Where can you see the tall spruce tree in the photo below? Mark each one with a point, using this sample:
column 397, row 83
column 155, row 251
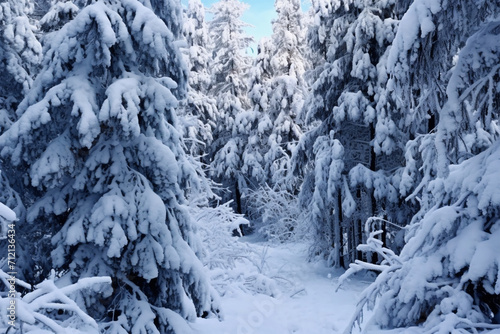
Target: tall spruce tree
column 287, row 88
column 230, row 68
column 201, row 109
column 98, row 137
column 259, row 124
column 346, row 179
column 277, row 91
column 20, row 53
column 446, row 276
column 417, row 88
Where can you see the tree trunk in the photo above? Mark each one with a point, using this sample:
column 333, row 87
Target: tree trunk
column 237, row 197
column 337, row 231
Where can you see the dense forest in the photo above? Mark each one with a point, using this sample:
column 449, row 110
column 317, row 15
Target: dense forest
column 133, row 130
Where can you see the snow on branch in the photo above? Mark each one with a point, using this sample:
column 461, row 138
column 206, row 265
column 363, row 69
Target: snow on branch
column 49, row 308
column 389, row 264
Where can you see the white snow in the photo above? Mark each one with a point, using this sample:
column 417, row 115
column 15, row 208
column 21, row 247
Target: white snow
column 6, row 213
column 417, row 19
column 306, row 301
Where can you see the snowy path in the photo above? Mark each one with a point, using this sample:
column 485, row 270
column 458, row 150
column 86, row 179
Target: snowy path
column 307, row 302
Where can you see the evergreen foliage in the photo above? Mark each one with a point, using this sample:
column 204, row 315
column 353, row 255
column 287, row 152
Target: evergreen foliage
column 20, row 53
column 230, row 66
column 347, row 179
column 98, row 136
column 201, row 110
column 445, row 278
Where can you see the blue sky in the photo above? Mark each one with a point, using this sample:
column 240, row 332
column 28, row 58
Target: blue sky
column 259, row 15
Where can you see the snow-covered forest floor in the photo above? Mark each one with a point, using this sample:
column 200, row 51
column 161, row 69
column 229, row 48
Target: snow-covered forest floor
column 300, row 297
column 304, row 297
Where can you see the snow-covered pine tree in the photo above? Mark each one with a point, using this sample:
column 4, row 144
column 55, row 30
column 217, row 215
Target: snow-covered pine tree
column 416, row 90
column 446, row 278
column 257, row 117
column 288, row 39
column 20, row 53
column 458, row 225
column 200, row 112
column 469, row 120
column 257, row 125
column 230, row 68
column 320, row 16
column 345, row 181
column 98, row 138
column 287, row 89
column 277, row 92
